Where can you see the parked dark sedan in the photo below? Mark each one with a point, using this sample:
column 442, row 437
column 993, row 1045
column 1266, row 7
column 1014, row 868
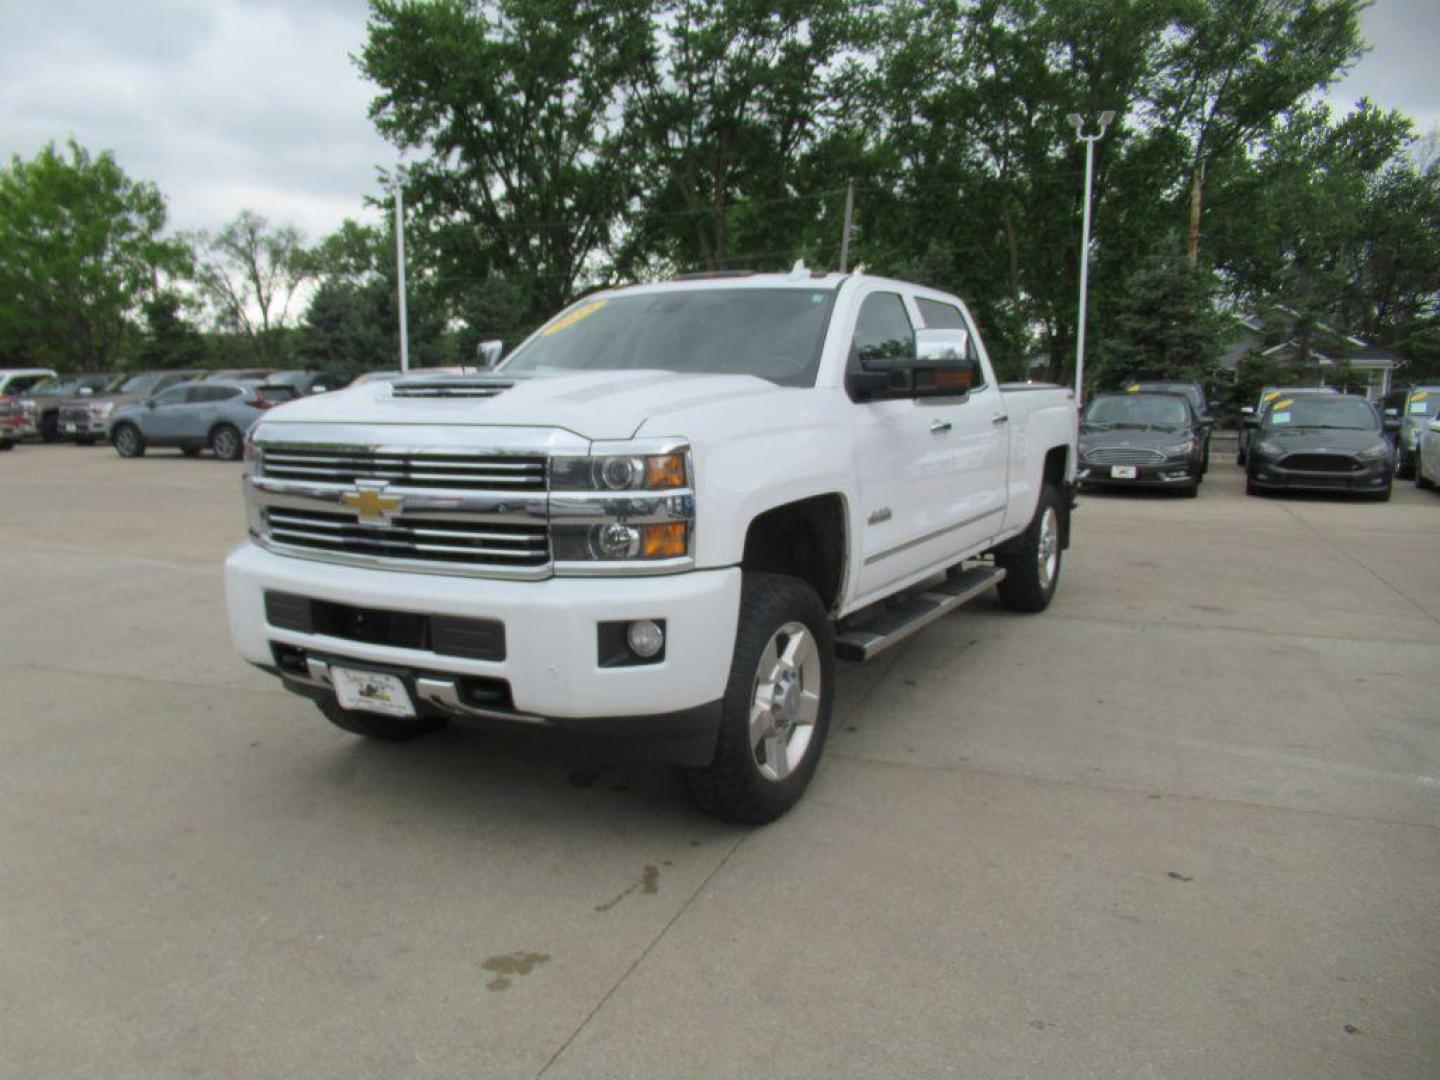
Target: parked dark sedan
column 1320, row 442
column 1194, row 393
column 1141, row 440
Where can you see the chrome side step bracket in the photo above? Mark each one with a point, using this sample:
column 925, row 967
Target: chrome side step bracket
column 914, row 611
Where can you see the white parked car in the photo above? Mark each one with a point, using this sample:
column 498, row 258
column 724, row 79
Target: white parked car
column 1427, row 456
column 660, row 518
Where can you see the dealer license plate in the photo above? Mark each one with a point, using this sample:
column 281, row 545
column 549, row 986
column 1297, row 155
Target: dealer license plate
column 371, row 691
column 1123, row 472
column 71, row 429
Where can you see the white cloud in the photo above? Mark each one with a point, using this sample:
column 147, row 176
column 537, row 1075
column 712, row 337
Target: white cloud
column 226, row 104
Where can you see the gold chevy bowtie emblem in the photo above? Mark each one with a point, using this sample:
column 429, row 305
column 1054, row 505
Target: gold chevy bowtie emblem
column 371, row 504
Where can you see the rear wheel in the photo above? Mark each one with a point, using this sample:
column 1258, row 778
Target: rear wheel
column 776, row 710
column 127, row 440
column 84, row 440
column 50, row 427
column 378, row 727
column 1032, row 566
column 227, row 443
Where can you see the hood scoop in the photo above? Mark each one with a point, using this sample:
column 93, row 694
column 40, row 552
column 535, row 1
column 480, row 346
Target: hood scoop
column 454, row 387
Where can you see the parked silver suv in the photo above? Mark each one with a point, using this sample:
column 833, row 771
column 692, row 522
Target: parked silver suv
column 193, row 416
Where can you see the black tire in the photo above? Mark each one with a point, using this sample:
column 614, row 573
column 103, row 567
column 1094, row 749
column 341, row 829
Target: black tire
column 1406, row 465
column 191, row 451
column 84, row 440
column 378, row 727
column 127, row 440
column 50, row 427
column 227, row 443
column 1381, row 496
column 735, row 786
column 1250, row 488
column 6, row 445
column 1026, row 586
column 1191, row 490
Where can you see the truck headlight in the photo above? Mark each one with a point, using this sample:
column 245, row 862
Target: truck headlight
column 649, row 472
column 628, row 503
column 101, row 409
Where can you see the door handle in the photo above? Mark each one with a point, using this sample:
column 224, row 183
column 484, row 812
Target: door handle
column 1000, row 418
column 939, row 427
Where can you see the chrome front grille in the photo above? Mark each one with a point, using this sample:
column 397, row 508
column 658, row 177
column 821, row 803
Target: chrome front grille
column 469, row 472
column 1123, row 455
column 412, row 537
column 75, row 414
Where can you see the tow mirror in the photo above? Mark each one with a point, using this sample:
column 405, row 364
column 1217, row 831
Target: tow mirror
column 940, row 365
column 489, row 353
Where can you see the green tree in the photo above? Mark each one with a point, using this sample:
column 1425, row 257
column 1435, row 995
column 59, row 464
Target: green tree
column 1235, row 65
column 1163, row 326
column 249, row 272
column 168, row 339
column 515, row 108
column 81, row 245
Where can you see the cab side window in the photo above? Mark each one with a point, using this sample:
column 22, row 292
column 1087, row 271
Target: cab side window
column 882, row 330
column 942, row 316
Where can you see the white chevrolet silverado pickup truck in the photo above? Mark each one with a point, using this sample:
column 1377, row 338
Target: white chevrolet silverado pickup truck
column 660, row 519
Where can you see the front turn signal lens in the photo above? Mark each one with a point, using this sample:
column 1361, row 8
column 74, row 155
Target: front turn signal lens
column 665, row 471
column 668, row 541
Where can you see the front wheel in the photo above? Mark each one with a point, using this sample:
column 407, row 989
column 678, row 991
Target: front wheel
column 1032, row 566
column 127, row 440
column 227, row 443
column 776, row 710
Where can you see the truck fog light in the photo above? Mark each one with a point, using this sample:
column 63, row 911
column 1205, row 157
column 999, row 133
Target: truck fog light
column 617, row 541
column 645, row 638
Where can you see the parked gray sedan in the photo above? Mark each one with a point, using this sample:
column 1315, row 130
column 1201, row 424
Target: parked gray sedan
column 192, row 416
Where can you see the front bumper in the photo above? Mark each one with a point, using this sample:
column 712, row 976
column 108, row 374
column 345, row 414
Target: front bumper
column 83, row 427
column 1167, row 474
column 552, row 664
column 1371, row 476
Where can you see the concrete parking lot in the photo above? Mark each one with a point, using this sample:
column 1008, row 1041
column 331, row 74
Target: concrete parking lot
column 1184, row 824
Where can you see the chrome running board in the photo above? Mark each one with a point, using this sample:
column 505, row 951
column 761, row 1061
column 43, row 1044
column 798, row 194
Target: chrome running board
column 913, row 611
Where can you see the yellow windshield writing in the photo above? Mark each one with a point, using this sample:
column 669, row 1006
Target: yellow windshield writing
column 572, row 318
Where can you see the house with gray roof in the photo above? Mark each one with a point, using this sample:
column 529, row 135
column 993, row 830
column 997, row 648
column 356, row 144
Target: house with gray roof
column 1328, row 348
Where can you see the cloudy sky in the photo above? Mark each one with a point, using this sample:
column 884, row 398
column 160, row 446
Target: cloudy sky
column 247, row 103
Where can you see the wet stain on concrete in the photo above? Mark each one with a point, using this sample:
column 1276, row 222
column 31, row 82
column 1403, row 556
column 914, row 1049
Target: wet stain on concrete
column 1351, row 1029
column 1176, row 875
column 1038, row 1025
column 584, row 778
column 511, row 965
column 649, row 883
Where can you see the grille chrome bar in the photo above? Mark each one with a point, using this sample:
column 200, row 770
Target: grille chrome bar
column 1123, row 455
column 516, row 545
column 473, row 472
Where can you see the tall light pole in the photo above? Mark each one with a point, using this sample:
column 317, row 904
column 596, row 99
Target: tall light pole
column 400, row 267
column 1089, row 140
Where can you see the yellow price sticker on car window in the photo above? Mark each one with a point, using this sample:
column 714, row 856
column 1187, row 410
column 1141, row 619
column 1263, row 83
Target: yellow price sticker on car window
column 572, row 318
column 1420, row 395
column 1272, row 395
column 1284, row 404
column 1135, row 389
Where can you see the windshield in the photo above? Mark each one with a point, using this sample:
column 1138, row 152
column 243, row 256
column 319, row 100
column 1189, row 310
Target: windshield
column 775, row 334
column 1137, row 410
column 140, row 384
column 55, row 387
column 1350, row 414
column 1422, row 403
column 1189, row 391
